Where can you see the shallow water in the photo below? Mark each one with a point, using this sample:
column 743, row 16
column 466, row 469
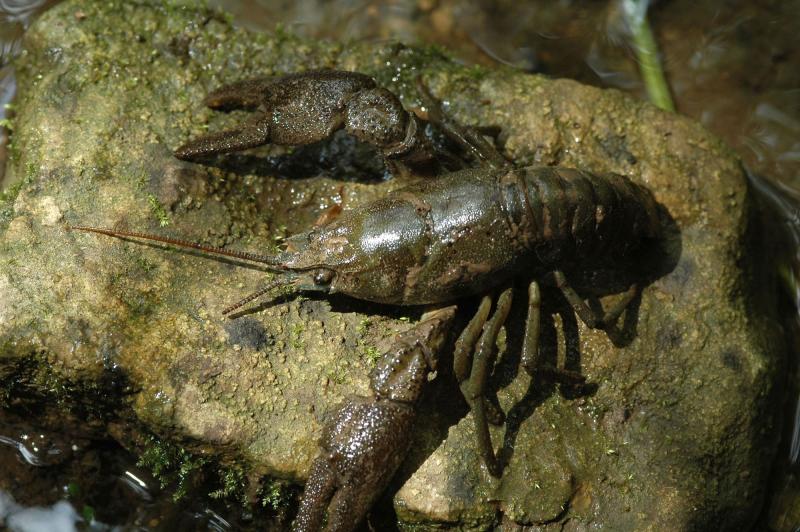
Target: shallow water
column 737, row 72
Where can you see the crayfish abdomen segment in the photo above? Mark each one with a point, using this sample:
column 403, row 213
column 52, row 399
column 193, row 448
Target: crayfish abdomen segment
column 572, row 215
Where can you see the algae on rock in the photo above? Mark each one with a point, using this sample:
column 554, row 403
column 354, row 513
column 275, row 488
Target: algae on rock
column 678, row 433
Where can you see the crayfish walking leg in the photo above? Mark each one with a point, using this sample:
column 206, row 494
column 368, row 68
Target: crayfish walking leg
column 472, row 371
column 473, row 383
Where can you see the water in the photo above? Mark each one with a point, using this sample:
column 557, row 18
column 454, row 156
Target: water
column 737, row 72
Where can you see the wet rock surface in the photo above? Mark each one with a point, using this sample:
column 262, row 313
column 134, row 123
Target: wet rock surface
column 675, row 431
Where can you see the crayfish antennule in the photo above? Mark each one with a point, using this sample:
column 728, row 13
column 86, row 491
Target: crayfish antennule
column 275, row 283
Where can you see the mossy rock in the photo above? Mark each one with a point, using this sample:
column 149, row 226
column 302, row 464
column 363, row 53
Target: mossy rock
column 679, row 432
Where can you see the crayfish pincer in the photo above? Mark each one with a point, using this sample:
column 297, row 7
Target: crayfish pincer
column 367, row 438
column 438, row 240
column 307, row 107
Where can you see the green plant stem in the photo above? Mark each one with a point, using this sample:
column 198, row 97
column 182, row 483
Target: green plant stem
column 649, row 65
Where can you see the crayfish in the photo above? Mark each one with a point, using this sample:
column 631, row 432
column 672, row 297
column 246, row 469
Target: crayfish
column 434, row 241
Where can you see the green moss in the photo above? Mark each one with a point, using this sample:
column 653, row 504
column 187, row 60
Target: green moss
column 181, row 470
column 13, row 151
column 143, row 265
column 372, row 354
column 275, row 494
column 401, row 66
column 88, row 513
column 337, row 375
column 233, row 483
column 171, row 465
column 8, row 195
column 476, row 72
column 280, row 233
column 7, row 198
column 296, row 335
column 158, row 210
column 363, row 325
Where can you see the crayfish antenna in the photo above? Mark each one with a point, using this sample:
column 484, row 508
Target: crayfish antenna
column 275, row 283
column 271, row 261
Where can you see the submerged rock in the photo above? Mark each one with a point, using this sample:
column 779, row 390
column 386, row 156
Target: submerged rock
column 676, row 431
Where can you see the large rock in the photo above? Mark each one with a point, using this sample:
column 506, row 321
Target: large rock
column 678, row 433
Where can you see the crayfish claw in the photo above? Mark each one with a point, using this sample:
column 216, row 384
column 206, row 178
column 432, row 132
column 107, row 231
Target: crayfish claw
column 319, row 489
column 244, row 95
column 367, row 438
column 308, row 107
column 251, row 134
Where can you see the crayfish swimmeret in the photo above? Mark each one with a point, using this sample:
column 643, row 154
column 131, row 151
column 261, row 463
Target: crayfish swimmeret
column 435, row 240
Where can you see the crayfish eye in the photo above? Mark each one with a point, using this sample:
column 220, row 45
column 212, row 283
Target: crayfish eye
column 323, row 276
